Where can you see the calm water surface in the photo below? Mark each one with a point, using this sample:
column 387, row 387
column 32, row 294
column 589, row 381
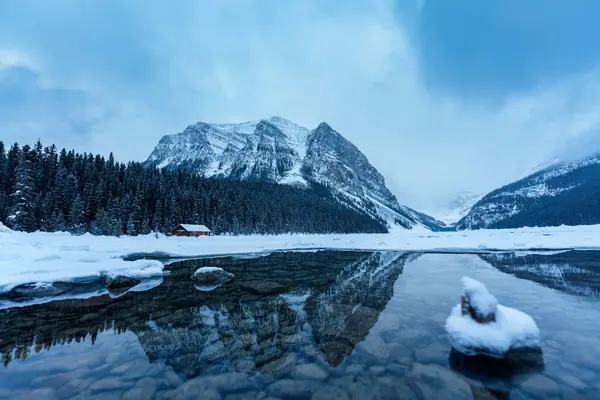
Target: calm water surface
column 325, row 325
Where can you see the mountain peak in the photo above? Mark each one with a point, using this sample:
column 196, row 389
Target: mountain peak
column 277, row 119
column 268, row 128
column 324, row 126
column 278, row 150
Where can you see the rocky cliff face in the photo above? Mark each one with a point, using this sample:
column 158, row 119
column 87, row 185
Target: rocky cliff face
column 280, row 151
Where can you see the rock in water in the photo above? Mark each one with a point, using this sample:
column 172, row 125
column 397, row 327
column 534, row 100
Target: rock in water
column 481, row 326
column 517, row 363
column 477, row 301
column 38, row 290
column 264, row 287
column 120, row 281
column 212, row 276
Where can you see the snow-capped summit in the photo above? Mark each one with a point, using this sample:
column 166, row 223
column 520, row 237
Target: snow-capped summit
column 280, row 151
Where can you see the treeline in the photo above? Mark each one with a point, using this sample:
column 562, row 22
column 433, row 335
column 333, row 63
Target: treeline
column 43, row 189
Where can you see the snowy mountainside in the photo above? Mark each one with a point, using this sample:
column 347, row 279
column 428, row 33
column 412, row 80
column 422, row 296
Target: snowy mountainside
column 250, row 150
column 459, row 206
column 426, row 220
column 281, row 151
column 564, row 193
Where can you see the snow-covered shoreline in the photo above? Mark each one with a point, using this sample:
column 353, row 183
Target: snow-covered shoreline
column 51, row 257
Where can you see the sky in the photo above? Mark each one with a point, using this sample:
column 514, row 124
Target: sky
column 442, row 96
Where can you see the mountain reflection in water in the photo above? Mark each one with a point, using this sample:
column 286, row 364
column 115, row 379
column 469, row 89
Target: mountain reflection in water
column 328, row 324
column 573, row 272
column 278, row 308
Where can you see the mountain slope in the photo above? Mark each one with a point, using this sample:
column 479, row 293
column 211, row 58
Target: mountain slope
column 565, row 193
column 460, row 206
column 280, row 151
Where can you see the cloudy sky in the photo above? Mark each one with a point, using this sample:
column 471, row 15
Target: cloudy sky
column 442, row 96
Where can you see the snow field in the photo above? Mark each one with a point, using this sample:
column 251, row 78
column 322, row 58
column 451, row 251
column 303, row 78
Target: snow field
column 49, row 257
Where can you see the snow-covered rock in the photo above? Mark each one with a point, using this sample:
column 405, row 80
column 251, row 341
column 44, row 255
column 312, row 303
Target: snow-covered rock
column 494, row 330
column 280, row 151
column 118, row 281
column 477, row 301
column 211, row 276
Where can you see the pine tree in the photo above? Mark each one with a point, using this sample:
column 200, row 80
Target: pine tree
column 115, row 222
column 3, row 167
column 12, row 161
column 22, row 212
column 77, row 216
column 56, row 223
column 102, row 224
column 158, row 217
column 136, row 216
column 3, row 177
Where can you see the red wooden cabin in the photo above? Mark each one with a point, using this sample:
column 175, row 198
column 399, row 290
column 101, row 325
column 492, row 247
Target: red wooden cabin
column 191, row 230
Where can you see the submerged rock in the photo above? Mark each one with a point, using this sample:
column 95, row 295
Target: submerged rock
column 264, row 287
column 481, row 326
column 120, row 281
column 515, row 362
column 211, row 276
column 438, row 382
column 38, row 290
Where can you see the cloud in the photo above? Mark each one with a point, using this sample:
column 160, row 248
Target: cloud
column 10, row 58
column 118, row 77
column 30, row 111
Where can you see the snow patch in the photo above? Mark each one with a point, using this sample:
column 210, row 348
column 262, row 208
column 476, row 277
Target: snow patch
column 539, row 190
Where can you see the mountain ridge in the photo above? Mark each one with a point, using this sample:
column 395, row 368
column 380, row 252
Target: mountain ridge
column 562, row 193
column 280, row 151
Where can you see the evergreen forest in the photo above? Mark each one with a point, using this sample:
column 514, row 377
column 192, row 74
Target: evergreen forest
column 44, row 189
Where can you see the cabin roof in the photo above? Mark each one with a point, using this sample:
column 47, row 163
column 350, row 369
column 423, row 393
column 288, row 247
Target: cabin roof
column 194, row 228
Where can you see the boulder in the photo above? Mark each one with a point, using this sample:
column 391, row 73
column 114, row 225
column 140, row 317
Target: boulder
column 211, row 276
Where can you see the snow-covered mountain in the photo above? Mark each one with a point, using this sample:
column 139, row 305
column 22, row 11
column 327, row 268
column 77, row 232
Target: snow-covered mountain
column 564, row 193
column 280, row 151
column 459, row 206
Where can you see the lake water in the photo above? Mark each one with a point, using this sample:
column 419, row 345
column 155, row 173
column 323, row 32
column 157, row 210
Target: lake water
column 324, row 325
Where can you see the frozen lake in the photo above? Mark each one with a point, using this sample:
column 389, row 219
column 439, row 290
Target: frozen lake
column 302, row 325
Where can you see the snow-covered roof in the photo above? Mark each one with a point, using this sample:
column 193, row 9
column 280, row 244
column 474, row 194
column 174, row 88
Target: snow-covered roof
column 194, row 228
